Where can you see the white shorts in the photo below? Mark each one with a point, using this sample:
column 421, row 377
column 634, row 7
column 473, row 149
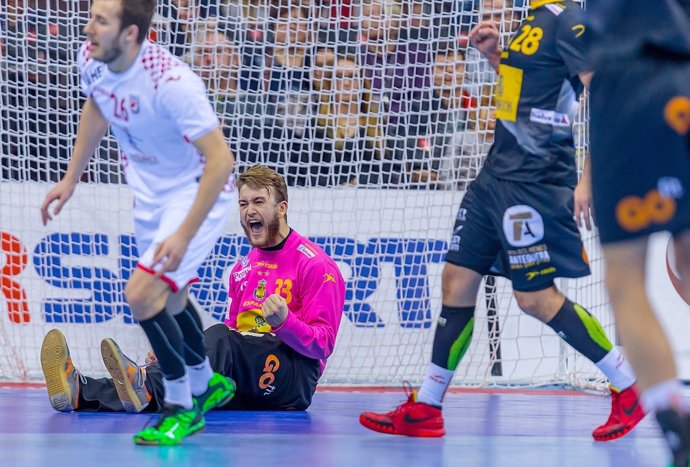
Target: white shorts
column 155, row 223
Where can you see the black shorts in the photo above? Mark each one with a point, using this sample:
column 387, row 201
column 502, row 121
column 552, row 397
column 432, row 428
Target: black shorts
column 523, row 231
column 640, row 116
column 269, row 374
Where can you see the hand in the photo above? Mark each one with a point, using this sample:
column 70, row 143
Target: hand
column 61, row 192
column 583, row 203
column 484, row 37
column 169, row 253
column 274, row 310
column 151, row 358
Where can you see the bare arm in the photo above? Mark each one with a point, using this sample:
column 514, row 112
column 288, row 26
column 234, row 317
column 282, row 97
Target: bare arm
column 484, row 37
column 586, row 78
column 219, row 165
column 92, row 128
column 583, row 197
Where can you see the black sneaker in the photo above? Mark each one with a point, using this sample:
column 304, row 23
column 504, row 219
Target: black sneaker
column 676, row 429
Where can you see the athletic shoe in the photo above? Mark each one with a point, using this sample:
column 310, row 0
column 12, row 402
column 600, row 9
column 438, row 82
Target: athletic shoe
column 221, row 390
column 676, row 429
column 626, row 413
column 409, row 419
column 62, row 379
column 129, row 378
column 175, row 424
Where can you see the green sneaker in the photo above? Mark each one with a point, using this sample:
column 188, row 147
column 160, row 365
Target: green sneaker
column 221, row 390
column 174, row 425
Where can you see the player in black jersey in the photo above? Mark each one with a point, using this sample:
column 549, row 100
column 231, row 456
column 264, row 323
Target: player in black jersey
column 518, row 217
column 640, row 142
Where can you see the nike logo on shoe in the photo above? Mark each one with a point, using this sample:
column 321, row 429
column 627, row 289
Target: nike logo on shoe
column 410, row 419
column 630, row 410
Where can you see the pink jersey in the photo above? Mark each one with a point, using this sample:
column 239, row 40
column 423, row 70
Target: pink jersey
column 308, row 280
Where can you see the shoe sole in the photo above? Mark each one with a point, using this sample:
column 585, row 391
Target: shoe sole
column 192, row 431
column 54, row 355
column 389, row 430
column 111, row 354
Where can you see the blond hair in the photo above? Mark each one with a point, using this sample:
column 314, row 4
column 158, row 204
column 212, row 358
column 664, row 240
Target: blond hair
column 260, row 176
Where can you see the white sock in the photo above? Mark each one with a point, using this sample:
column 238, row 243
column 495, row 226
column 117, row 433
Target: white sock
column 435, row 384
column 617, row 369
column 178, row 392
column 199, row 376
column 662, row 396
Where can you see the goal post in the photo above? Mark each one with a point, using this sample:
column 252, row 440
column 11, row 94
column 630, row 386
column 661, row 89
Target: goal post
column 377, row 112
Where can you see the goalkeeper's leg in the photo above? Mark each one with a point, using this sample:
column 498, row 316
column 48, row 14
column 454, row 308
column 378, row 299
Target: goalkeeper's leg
column 421, row 414
column 585, row 334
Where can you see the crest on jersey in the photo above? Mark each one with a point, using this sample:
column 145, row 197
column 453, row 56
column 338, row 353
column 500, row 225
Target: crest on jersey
column 134, row 104
column 260, row 290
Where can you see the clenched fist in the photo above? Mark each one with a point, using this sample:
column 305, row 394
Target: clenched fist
column 275, row 310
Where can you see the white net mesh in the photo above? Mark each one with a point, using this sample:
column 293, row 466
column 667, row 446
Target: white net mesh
column 378, row 114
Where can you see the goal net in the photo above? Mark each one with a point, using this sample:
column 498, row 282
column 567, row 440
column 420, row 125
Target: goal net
column 377, row 112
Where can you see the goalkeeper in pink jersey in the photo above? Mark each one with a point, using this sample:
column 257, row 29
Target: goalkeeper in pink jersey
column 286, row 301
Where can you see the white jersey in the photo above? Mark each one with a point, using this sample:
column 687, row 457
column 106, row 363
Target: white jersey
column 155, row 109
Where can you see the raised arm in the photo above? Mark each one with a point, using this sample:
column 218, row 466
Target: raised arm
column 484, row 37
column 312, row 333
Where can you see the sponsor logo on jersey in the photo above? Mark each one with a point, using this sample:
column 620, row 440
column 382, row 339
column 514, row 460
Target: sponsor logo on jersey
column 306, row 251
column 260, row 290
column 522, row 225
column 549, row 117
column 267, row 265
column 328, row 277
column 242, row 273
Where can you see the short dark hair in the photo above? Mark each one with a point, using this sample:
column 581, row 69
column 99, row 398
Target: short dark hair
column 260, row 176
column 139, row 13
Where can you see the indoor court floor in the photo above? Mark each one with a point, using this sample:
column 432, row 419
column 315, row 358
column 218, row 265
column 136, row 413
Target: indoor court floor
column 528, row 428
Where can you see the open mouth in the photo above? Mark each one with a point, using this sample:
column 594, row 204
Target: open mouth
column 256, row 227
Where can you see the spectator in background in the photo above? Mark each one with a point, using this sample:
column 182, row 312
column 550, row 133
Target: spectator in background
column 340, row 154
column 438, row 129
column 397, row 77
column 288, row 89
column 37, row 101
column 215, row 57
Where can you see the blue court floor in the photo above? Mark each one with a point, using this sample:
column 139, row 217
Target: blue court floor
column 516, row 429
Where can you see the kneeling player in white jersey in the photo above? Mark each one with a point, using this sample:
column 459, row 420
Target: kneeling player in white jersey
column 179, row 168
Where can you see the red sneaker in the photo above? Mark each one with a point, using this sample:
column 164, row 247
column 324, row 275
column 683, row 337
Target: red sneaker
column 409, row 419
column 626, row 412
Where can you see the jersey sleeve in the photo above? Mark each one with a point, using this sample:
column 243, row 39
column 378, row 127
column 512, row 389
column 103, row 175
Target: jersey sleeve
column 571, row 40
column 313, row 330
column 182, row 97
column 233, row 300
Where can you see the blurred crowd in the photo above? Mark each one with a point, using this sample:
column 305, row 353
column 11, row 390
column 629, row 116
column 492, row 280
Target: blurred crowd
column 371, row 93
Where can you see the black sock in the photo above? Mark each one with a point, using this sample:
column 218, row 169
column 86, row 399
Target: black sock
column 581, row 330
column 193, row 335
column 166, row 341
column 453, row 336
